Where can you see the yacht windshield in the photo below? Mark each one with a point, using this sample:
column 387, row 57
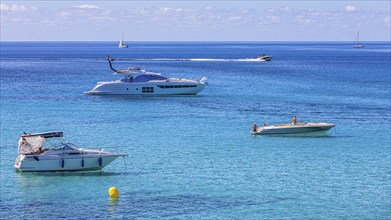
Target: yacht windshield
column 69, row 146
column 148, row 77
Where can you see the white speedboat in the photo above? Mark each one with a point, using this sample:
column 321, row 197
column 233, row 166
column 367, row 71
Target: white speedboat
column 264, row 57
column 48, row 152
column 137, row 81
column 296, row 129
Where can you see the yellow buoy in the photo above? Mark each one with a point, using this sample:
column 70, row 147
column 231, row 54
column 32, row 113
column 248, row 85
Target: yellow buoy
column 113, row 192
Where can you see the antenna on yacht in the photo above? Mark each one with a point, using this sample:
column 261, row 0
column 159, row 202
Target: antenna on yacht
column 110, row 64
column 119, row 71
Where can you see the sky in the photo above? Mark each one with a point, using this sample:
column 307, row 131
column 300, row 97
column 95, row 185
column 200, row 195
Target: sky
column 195, row 20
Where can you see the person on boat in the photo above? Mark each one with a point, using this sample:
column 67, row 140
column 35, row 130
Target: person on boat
column 255, row 127
column 294, row 120
column 40, row 151
column 264, row 124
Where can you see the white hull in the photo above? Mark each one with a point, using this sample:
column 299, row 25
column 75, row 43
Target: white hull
column 264, row 59
column 358, row 46
column 121, row 88
column 27, row 163
column 300, row 129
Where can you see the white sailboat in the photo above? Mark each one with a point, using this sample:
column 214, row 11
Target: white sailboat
column 121, row 43
column 357, row 43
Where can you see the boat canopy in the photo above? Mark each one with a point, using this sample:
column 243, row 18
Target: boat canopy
column 30, row 144
column 49, row 134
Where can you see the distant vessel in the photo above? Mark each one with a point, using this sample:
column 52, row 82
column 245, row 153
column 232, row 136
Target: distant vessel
column 137, row 81
column 357, row 44
column 59, row 156
column 121, row 42
column 264, row 57
column 296, row 129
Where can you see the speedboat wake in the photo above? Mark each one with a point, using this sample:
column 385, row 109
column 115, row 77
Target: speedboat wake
column 193, row 59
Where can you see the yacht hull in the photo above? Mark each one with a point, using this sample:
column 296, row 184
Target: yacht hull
column 145, row 89
column 27, row 163
column 310, row 128
column 265, row 59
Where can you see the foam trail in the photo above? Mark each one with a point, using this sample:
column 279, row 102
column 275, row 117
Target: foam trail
column 226, row 60
column 193, row 59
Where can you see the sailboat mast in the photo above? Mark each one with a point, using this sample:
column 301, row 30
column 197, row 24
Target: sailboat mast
column 358, row 36
column 357, row 43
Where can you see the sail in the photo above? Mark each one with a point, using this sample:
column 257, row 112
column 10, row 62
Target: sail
column 357, row 43
column 357, row 37
column 121, row 42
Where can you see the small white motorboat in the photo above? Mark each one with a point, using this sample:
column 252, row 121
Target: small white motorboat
column 264, row 57
column 48, row 152
column 137, row 81
column 299, row 128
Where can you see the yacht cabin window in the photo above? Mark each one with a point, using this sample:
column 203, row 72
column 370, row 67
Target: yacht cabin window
column 147, row 89
column 147, row 77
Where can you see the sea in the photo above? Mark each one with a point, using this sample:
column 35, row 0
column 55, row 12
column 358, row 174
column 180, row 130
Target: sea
column 193, row 157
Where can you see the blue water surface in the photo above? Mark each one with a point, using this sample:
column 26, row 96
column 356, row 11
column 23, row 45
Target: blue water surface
column 192, row 157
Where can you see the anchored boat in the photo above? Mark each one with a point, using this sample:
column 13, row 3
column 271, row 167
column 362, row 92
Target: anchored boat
column 294, row 129
column 357, row 43
column 137, row 81
column 48, row 152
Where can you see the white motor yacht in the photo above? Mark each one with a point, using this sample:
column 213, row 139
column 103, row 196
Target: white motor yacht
column 264, row 57
column 48, row 152
column 137, row 81
column 295, row 129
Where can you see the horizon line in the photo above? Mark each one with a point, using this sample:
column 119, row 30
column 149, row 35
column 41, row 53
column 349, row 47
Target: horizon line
column 192, row 41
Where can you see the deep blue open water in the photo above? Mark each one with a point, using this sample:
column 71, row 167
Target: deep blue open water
column 192, row 157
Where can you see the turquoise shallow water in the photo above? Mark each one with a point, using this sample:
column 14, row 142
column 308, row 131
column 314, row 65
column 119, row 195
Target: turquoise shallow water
column 192, row 156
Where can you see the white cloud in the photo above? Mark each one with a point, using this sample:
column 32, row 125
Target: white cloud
column 350, row 8
column 86, row 6
column 164, row 9
column 16, row 8
column 88, row 17
column 65, row 14
column 235, row 18
column 4, row 7
column 285, row 9
column 274, row 19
